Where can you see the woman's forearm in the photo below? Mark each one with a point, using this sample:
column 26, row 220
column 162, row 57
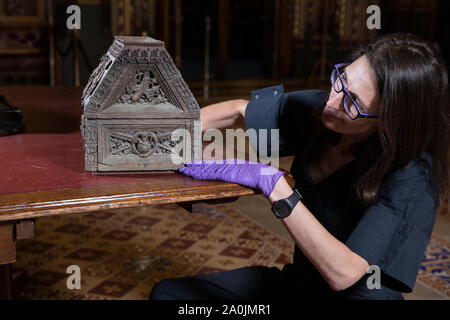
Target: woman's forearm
column 339, row 266
column 222, row 114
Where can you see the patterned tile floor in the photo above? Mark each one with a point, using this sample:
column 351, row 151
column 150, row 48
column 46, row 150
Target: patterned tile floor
column 435, row 269
column 123, row 253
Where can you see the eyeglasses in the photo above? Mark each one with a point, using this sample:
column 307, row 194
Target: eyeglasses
column 351, row 107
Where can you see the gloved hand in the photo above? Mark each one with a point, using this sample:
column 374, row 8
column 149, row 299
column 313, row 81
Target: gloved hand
column 251, row 174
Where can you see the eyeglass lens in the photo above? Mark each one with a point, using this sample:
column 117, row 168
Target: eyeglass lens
column 349, row 107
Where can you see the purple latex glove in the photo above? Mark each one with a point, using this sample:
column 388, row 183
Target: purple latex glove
column 251, row 174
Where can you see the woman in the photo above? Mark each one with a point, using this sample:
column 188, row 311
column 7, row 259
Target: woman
column 370, row 165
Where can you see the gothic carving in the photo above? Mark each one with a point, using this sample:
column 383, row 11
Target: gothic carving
column 142, row 143
column 97, row 74
column 90, row 144
column 143, row 89
column 133, row 102
column 143, row 55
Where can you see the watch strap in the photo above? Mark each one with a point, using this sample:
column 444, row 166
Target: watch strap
column 294, row 198
column 290, row 202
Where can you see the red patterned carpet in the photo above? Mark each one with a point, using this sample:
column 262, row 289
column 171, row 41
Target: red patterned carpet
column 123, row 253
column 435, row 269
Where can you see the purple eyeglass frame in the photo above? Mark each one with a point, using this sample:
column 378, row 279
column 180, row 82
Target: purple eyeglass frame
column 347, row 94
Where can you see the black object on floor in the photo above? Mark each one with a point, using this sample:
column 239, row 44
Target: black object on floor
column 10, row 119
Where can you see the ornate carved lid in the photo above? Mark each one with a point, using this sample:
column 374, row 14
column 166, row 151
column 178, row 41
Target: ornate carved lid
column 137, row 78
column 138, row 41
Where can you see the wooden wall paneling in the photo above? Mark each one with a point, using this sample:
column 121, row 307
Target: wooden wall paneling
column 178, row 31
column 415, row 16
column 127, row 14
column 284, row 37
column 26, row 33
column 42, row 10
column 135, row 18
column 120, row 17
column 276, row 38
column 319, row 76
column 115, row 29
column 19, row 19
column 165, row 24
column 307, row 24
column 434, row 17
column 268, row 25
column 51, row 39
column 223, row 35
column 299, row 23
column 152, row 17
column 350, row 18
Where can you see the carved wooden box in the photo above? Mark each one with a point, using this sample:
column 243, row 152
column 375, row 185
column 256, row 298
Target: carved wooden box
column 138, row 113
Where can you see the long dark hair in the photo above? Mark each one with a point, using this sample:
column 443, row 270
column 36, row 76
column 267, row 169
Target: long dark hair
column 414, row 112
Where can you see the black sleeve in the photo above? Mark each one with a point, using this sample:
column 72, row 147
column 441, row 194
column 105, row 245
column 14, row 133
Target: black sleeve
column 394, row 232
column 289, row 113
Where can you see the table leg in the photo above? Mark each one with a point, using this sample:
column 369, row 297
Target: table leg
column 197, row 206
column 7, row 243
column 7, row 256
column 9, row 233
column 5, row 282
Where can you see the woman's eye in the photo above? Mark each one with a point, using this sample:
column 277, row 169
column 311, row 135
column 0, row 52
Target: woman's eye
column 344, row 77
column 360, row 105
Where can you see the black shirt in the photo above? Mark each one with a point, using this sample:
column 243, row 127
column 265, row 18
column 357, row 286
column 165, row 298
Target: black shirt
column 392, row 233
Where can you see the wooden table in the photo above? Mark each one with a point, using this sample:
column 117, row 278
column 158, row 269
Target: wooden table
column 42, row 173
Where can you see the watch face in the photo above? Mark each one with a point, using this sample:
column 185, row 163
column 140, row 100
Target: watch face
column 282, row 209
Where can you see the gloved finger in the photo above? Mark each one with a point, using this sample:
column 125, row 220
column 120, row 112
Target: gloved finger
column 185, row 170
column 194, row 163
column 193, row 172
column 202, row 163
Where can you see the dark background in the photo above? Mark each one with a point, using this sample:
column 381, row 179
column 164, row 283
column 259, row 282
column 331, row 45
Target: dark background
column 248, row 39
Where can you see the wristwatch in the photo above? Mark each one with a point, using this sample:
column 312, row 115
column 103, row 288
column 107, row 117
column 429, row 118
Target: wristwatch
column 283, row 208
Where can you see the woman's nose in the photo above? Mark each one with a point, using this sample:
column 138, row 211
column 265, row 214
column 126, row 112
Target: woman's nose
column 335, row 100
